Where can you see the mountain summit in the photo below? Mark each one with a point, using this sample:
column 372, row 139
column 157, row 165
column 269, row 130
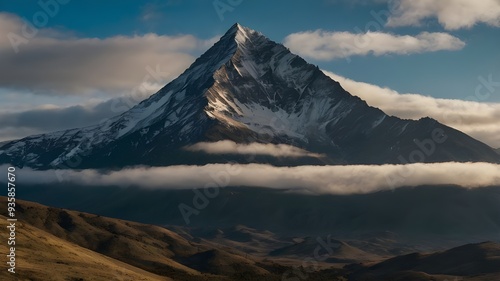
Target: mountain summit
column 247, row 88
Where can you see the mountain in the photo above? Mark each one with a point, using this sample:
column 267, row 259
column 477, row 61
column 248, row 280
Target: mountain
column 479, row 261
column 435, row 216
column 247, row 88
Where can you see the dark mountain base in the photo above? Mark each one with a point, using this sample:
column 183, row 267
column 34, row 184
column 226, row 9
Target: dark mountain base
column 428, row 217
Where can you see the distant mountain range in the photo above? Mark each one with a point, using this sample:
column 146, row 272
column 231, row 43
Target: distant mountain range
column 434, row 216
column 469, row 262
column 247, row 88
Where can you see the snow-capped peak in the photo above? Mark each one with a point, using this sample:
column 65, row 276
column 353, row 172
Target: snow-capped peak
column 244, row 88
column 243, row 35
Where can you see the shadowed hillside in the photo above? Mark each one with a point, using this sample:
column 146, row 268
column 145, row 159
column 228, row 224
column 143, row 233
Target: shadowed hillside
column 469, row 262
column 68, row 242
column 42, row 256
column 59, row 244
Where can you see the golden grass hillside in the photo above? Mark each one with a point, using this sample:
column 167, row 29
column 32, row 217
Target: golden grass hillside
column 42, row 256
column 145, row 247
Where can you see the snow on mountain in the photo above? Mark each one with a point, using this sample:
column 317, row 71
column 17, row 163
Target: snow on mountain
column 246, row 88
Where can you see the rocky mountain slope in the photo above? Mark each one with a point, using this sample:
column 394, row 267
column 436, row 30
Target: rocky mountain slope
column 247, row 88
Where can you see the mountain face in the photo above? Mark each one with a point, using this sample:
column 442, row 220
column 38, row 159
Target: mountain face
column 247, row 88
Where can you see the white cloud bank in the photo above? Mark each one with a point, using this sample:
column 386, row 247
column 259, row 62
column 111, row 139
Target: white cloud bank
column 324, row 45
column 357, row 179
column 55, row 62
column 452, row 14
column 477, row 119
column 230, row 147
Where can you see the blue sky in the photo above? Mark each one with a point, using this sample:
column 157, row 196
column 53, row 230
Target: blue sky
column 448, row 74
column 180, row 30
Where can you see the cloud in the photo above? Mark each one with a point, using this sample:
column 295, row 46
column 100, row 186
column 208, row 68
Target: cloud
column 47, row 118
column 357, row 179
column 153, row 11
column 452, row 14
column 477, row 119
column 324, row 45
column 57, row 63
column 230, row 147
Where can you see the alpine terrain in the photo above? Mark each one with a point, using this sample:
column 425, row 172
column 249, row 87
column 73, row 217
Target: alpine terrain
column 247, row 88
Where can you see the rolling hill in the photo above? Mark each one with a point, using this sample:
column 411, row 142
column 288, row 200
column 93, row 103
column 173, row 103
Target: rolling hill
column 59, row 244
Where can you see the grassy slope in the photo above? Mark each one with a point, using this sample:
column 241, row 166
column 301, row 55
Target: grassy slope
column 57, row 244
column 43, row 256
column 148, row 247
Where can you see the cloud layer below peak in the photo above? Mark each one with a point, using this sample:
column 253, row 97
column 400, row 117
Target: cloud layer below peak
column 230, row 147
column 356, row 179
